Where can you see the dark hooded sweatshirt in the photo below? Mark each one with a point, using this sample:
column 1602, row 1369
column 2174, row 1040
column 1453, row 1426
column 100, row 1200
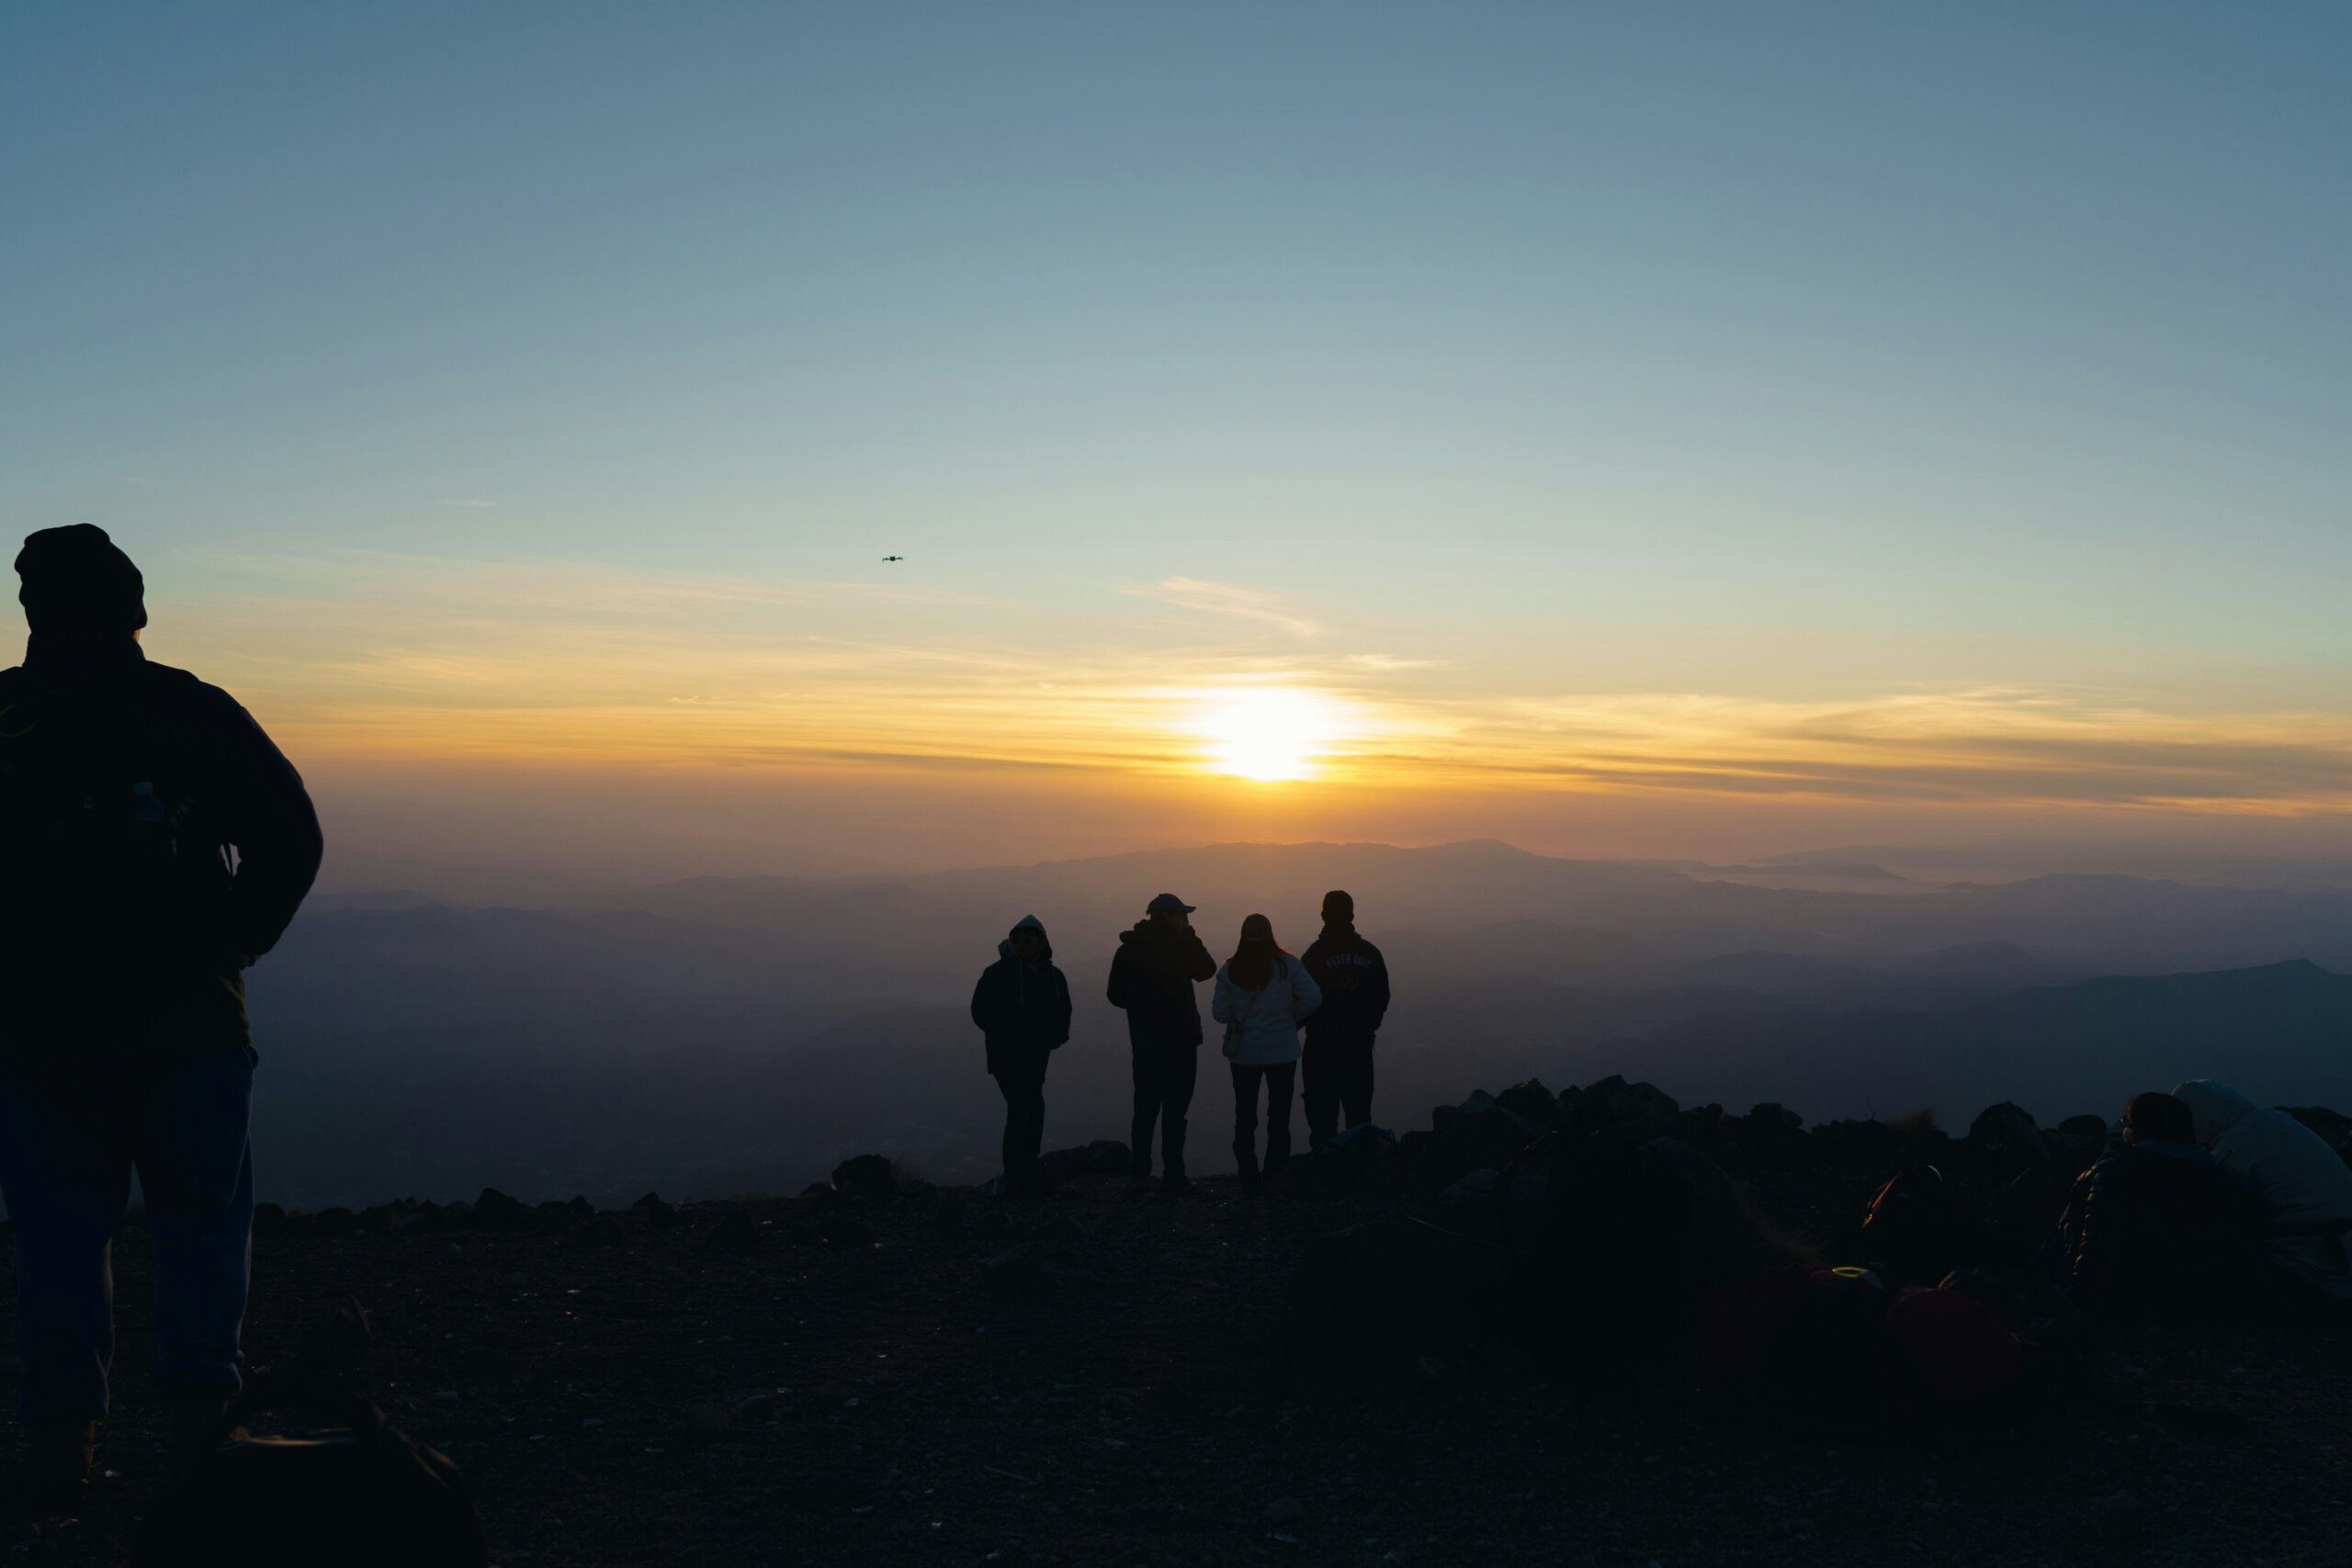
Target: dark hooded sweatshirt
column 1354, row 982
column 1023, row 1010
column 157, row 841
column 1152, row 978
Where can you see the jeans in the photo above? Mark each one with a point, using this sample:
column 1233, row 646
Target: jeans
column 66, row 1176
column 1024, row 1122
column 1164, row 1080
column 1278, row 1080
column 1334, row 1074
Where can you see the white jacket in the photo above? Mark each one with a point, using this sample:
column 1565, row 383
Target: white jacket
column 2305, row 1187
column 1269, row 1018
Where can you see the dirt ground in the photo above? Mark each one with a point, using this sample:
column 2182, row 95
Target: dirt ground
column 656, row 1398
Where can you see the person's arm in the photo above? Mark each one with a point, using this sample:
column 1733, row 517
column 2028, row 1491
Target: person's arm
column 1305, row 995
column 264, row 811
column 1059, row 1022
column 1203, row 967
column 1121, row 991
column 1317, row 963
column 1376, row 1001
column 1221, row 1004
column 984, row 1004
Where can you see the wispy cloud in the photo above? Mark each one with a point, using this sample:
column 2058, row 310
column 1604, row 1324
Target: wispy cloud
column 1226, row 599
column 402, row 658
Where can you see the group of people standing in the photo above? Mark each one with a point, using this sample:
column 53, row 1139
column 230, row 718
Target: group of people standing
column 1335, row 993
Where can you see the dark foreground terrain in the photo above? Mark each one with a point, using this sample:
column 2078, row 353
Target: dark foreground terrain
column 720, row 1384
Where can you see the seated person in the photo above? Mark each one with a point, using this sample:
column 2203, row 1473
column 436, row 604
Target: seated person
column 2304, row 1187
column 2158, row 1230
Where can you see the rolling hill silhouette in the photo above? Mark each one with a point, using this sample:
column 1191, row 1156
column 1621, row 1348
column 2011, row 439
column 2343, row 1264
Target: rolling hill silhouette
column 725, row 1034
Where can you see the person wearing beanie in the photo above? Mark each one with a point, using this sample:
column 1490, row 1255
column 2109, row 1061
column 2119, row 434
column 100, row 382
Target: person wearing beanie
column 1159, row 961
column 1022, row 1005
column 1336, row 1067
column 1263, row 993
column 158, row 844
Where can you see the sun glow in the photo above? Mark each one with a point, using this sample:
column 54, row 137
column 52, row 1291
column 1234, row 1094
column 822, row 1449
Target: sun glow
column 1272, row 734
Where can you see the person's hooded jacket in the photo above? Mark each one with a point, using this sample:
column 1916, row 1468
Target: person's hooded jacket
column 1152, row 976
column 158, row 844
column 1021, row 1007
column 1267, row 1021
column 1353, row 978
column 2304, row 1187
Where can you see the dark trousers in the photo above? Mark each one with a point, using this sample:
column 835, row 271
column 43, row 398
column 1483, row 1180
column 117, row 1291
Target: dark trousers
column 1278, row 1081
column 1164, row 1079
column 67, row 1177
column 1337, row 1075
column 1025, row 1122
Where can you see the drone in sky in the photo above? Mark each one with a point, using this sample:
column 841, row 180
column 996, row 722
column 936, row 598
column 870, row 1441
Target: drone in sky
column 894, row 557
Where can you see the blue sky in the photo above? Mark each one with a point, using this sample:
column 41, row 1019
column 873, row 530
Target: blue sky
column 1551, row 355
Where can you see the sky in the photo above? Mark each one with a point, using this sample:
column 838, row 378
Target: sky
column 1672, row 428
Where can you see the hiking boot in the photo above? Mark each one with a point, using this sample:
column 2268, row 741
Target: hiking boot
column 1140, row 1187
column 1176, row 1186
column 200, row 1424
column 53, row 1478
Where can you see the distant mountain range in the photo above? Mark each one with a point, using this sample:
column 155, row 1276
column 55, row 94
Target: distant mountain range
column 722, row 1033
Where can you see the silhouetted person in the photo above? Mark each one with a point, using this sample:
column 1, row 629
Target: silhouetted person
column 2304, row 1187
column 1022, row 1005
column 1152, row 976
column 2157, row 1230
column 1337, row 1065
column 158, row 844
column 1262, row 994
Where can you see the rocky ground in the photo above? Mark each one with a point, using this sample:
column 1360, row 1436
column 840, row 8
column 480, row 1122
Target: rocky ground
column 951, row 1379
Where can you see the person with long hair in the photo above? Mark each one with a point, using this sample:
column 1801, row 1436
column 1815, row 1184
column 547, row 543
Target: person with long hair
column 1262, row 995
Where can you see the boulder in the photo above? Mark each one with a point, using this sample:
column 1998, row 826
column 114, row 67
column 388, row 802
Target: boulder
column 1477, row 1133
column 496, row 1208
column 867, row 1176
column 2004, row 1141
column 269, row 1220
column 1531, row 1102
column 1870, row 1145
column 1633, row 1111
column 1701, row 1126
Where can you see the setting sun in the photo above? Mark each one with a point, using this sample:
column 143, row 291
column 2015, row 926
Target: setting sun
column 1271, row 734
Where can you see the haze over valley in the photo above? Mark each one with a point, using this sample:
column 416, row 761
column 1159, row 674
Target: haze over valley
column 717, row 1034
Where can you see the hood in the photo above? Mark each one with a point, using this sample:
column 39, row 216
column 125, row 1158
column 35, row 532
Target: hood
column 1026, row 923
column 2213, row 1107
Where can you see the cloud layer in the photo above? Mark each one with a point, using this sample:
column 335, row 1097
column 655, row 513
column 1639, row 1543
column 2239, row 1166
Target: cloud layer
column 399, row 657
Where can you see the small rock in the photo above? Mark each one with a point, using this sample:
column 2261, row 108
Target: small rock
column 1285, row 1511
